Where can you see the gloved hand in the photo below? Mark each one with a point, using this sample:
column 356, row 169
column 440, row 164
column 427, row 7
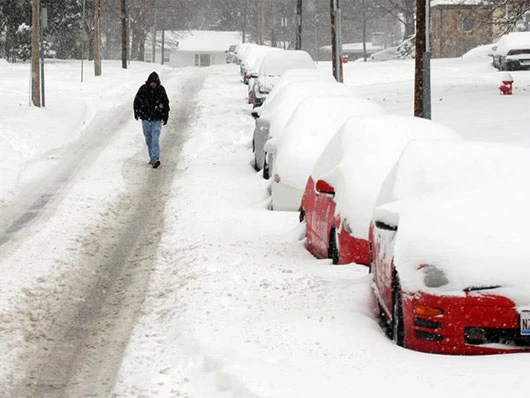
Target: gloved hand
column 164, row 121
column 136, row 117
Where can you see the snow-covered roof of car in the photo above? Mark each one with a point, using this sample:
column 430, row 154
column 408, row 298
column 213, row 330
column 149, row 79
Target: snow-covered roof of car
column 280, row 107
column 463, row 207
column 276, row 63
column 313, row 123
column 358, row 158
column 255, row 55
column 513, row 41
column 300, row 74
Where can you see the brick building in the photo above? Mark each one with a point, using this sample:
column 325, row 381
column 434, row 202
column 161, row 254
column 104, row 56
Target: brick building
column 457, row 26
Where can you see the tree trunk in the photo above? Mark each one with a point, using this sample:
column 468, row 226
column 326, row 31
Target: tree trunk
column 124, row 34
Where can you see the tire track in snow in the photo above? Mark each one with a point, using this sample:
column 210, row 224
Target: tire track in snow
column 84, row 355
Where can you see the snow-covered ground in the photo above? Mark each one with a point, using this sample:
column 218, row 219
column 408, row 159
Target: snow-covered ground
column 236, row 307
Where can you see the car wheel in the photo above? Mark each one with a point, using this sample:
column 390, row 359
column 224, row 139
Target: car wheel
column 301, row 215
column 333, row 250
column 266, row 171
column 398, row 331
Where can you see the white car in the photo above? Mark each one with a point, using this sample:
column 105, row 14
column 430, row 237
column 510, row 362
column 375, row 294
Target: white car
column 293, row 155
column 512, row 51
column 278, row 108
column 274, row 65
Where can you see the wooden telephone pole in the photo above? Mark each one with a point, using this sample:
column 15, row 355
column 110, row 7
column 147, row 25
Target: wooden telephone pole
column 298, row 42
column 35, row 55
column 97, row 38
column 124, row 34
column 336, row 40
column 422, row 74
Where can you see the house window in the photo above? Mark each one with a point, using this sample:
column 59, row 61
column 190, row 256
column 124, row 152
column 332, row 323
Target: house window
column 202, row 59
column 468, row 24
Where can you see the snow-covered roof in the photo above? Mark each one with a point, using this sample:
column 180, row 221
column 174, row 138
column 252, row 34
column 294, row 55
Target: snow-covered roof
column 311, row 126
column 513, row 41
column 356, row 47
column 200, row 40
column 456, row 2
column 281, row 103
column 360, row 155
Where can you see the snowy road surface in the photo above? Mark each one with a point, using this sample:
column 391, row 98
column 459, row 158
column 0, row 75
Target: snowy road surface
column 85, row 336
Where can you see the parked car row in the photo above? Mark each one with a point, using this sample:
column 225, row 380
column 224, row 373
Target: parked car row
column 261, row 67
column 439, row 221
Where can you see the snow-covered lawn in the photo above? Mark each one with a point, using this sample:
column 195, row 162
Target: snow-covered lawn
column 236, row 306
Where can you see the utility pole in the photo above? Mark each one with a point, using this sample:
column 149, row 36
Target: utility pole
column 244, row 30
column 273, row 36
column 124, row 34
column 35, row 52
column 336, row 40
column 422, row 75
column 298, row 42
column 97, row 38
column 262, row 23
column 43, row 25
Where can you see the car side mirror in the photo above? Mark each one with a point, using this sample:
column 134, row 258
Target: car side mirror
column 384, row 226
column 324, row 187
column 270, row 146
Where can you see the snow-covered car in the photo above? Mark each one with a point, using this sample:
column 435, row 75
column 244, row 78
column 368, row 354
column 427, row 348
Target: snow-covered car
column 449, row 237
column 293, row 154
column 282, row 103
column 341, row 191
column 296, row 75
column 230, row 54
column 274, row 65
column 252, row 59
column 512, row 51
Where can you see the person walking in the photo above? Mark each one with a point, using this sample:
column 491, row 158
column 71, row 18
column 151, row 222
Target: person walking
column 151, row 106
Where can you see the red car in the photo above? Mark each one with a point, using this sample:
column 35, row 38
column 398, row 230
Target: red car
column 450, row 259
column 341, row 191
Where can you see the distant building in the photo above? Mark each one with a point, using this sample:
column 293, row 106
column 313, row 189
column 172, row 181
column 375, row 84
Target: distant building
column 191, row 48
column 457, row 26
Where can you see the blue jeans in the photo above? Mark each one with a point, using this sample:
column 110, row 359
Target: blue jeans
column 152, row 130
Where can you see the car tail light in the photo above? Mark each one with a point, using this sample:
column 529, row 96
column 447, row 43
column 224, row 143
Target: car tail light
column 425, row 310
column 346, row 226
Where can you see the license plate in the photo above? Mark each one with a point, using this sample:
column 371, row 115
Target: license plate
column 525, row 323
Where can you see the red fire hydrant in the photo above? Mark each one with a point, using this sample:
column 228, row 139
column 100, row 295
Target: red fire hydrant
column 507, row 83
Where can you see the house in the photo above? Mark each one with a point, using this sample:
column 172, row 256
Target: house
column 457, row 26
column 191, row 47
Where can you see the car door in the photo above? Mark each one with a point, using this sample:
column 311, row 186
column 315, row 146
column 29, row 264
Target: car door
column 382, row 239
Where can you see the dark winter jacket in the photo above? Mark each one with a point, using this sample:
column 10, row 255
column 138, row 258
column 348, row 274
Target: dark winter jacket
column 151, row 103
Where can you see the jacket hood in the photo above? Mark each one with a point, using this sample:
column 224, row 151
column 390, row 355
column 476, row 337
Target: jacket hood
column 153, row 77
